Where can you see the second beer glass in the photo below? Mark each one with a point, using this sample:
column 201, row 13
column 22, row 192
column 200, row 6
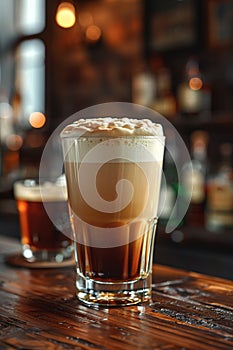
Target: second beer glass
column 43, row 241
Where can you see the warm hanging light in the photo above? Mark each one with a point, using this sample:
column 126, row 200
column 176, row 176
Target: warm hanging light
column 65, row 16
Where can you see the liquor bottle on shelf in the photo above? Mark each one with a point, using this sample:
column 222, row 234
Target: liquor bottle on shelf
column 219, row 212
column 168, row 190
column 194, row 94
column 143, row 85
column 195, row 175
column 164, row 99
column 168, row 208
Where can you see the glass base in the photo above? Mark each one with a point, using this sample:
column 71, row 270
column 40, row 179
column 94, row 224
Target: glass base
column 44, row 255
column 110, row 294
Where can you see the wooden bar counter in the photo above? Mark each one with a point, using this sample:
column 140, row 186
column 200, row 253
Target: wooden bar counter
column 39, row 310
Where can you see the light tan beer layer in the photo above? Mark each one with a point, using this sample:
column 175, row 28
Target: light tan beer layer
column 107, row 178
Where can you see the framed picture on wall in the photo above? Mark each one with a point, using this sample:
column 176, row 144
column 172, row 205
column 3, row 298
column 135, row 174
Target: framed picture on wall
column 172, row 24
column 220, row 23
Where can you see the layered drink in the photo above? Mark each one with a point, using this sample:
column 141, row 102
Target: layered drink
column 113, row 169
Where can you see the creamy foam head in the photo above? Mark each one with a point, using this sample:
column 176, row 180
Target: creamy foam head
column 113, row 127
column 108, row 139
column 29, row 190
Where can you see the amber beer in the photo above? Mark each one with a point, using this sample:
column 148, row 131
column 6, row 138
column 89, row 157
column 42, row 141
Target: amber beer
column 113, row 182
column 40, row 237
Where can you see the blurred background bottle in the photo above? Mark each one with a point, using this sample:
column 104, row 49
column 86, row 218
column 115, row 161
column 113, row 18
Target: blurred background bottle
column 164, row 100
column 170, row 184
column 219, row 212
column 143, row 85
column 193, row 93
column 195, row 175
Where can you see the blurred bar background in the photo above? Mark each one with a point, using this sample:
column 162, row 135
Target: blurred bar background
column 174, row 56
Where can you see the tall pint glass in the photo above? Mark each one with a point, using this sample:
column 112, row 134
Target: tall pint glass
column 113, row 169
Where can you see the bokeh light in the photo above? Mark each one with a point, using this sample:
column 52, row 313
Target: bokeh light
column 65, row 16
column 14, row 142
column 93, row 33
column 195, row 83
column 37, row 120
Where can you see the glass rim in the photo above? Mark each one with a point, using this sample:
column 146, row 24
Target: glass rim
column 35, row 181
column 77, row 137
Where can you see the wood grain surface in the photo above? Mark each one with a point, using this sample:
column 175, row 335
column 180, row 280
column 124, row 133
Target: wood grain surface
column 39, row 310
